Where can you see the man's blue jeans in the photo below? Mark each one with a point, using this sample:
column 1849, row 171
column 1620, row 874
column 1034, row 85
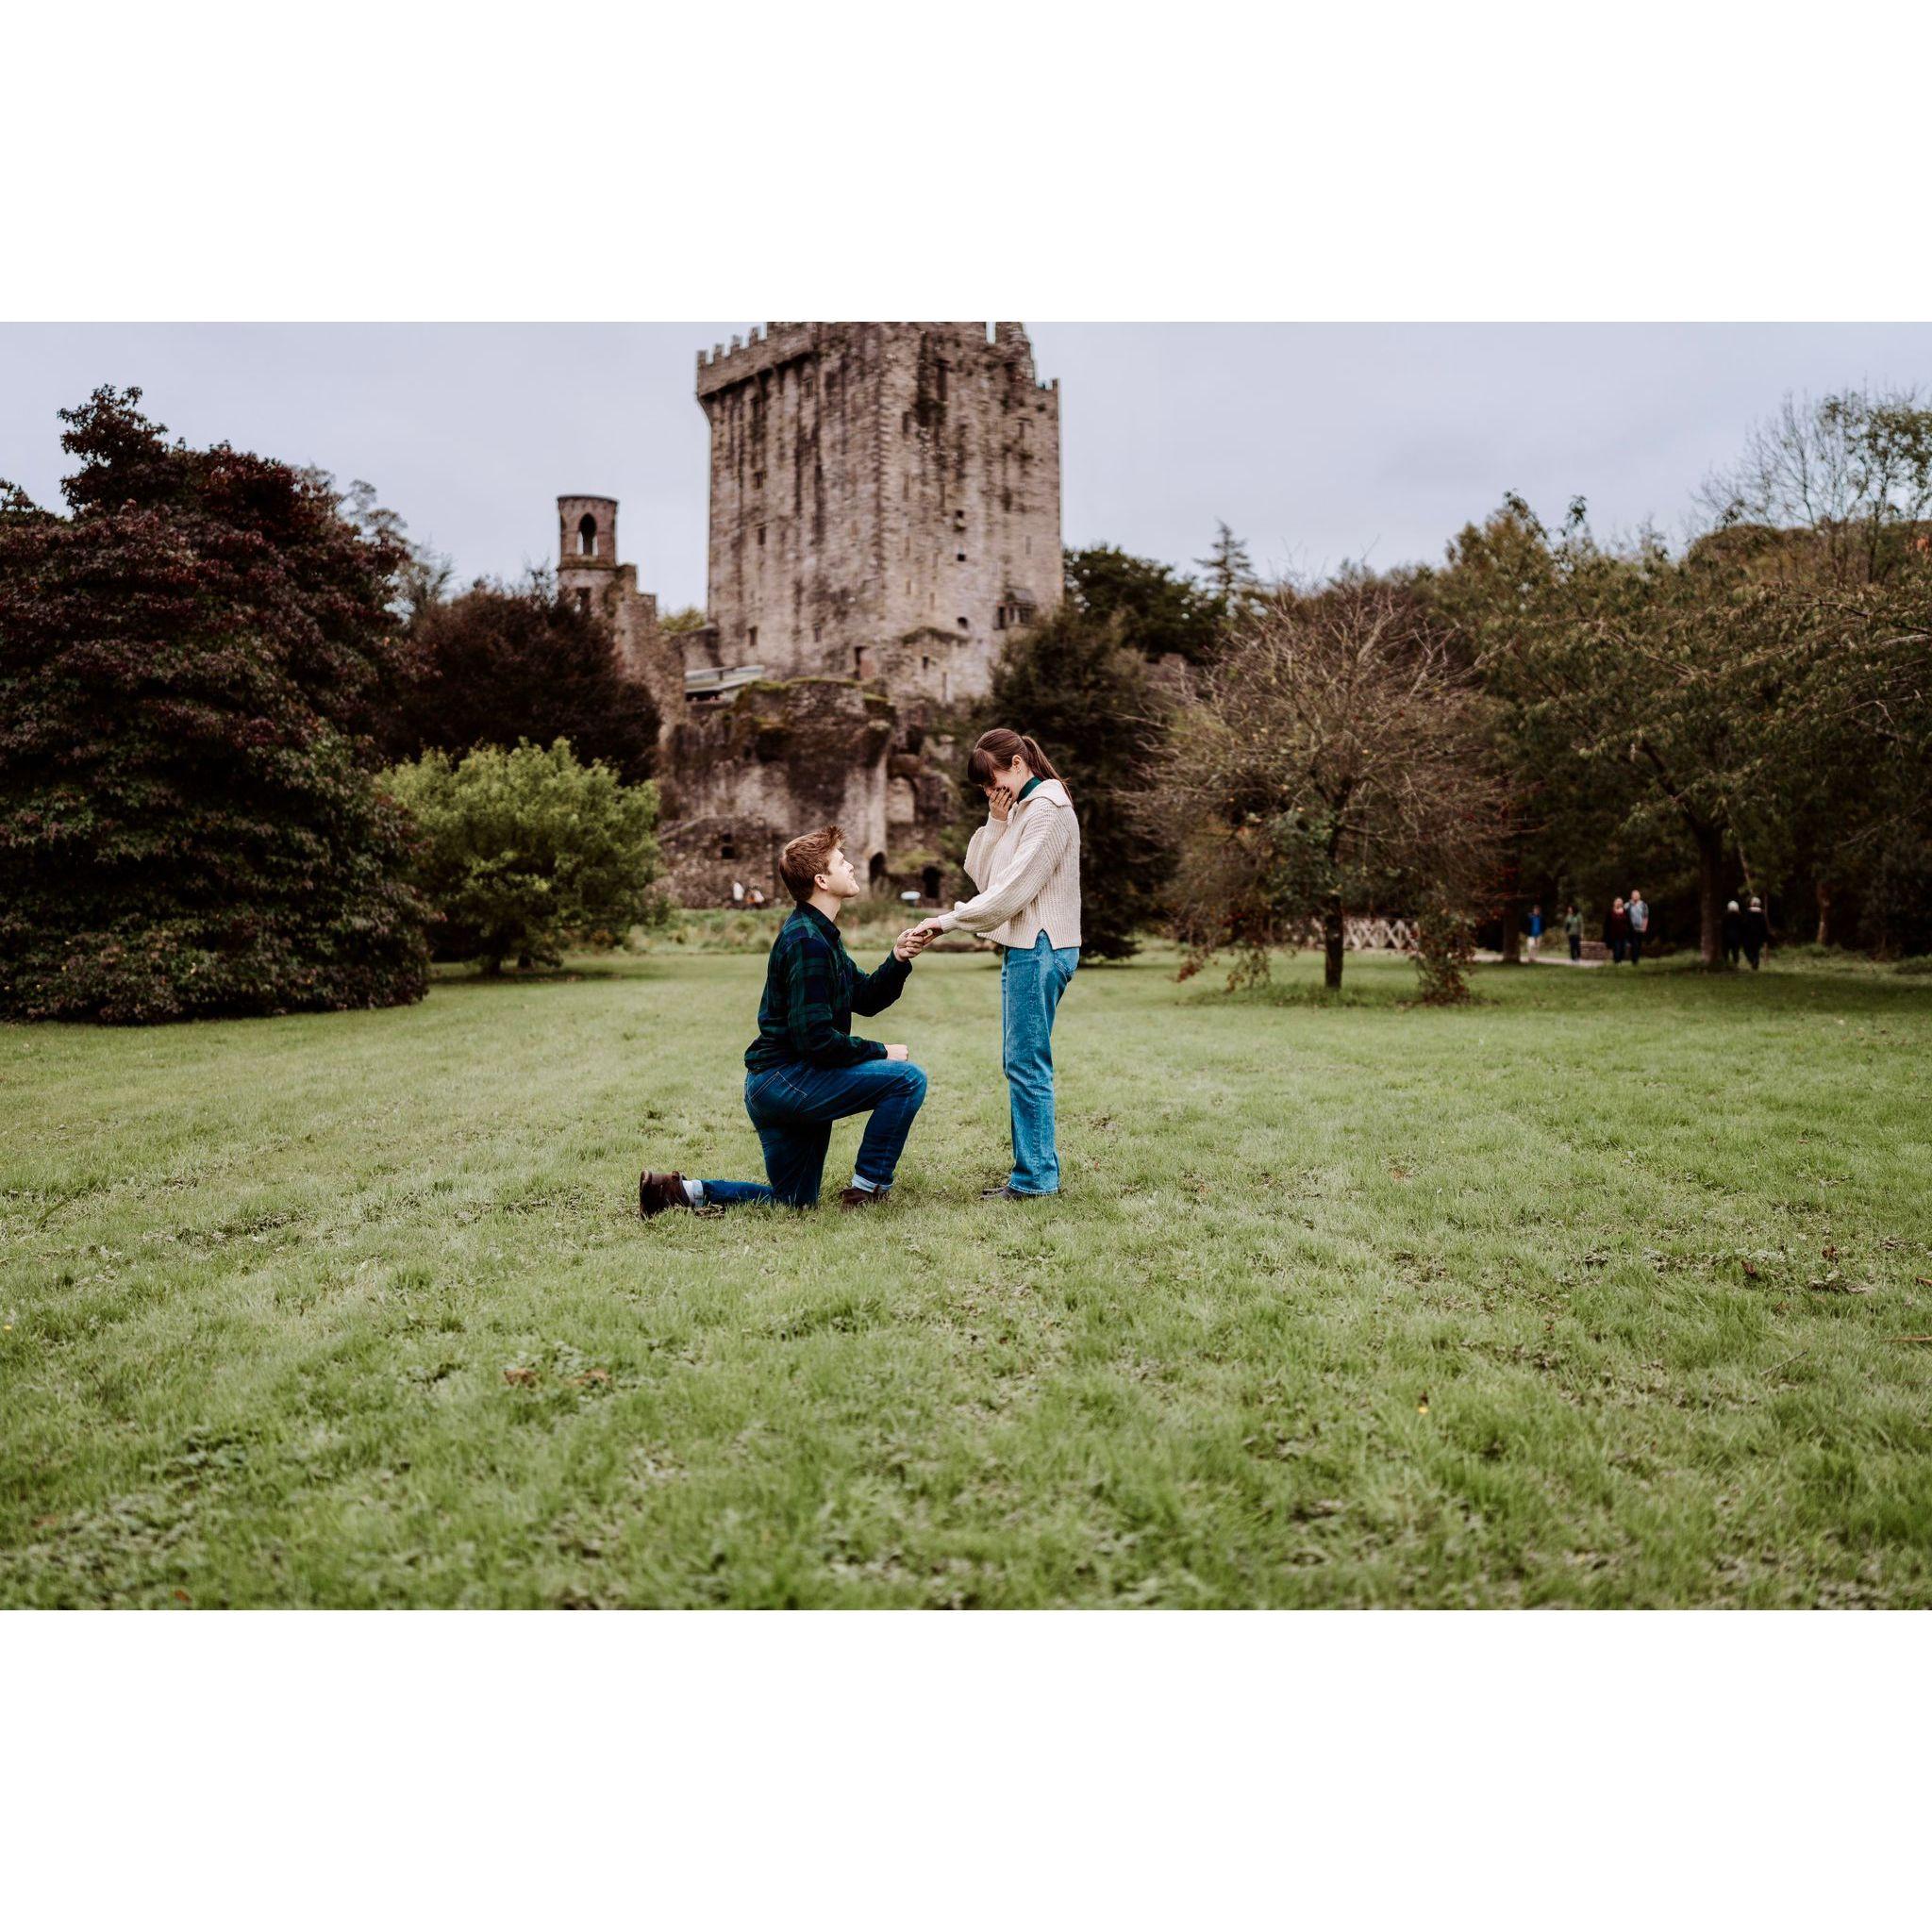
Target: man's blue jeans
column 794, row 1109
column 1032, row 979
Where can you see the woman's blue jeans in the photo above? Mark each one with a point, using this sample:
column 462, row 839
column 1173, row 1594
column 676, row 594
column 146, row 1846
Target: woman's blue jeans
column 1032, row 978
column 794, row 1109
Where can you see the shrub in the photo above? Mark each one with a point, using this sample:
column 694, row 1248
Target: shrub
column 190, row 666
column 1445, row 951
column 524, row 850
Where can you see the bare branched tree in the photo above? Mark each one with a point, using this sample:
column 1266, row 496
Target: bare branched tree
column 1851, row 473
column 1333, row 765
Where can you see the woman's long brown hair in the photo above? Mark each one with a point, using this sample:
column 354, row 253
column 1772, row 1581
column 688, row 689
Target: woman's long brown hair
column 998, row 748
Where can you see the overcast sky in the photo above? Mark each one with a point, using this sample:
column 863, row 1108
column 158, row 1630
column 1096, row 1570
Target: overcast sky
column 1317, row 443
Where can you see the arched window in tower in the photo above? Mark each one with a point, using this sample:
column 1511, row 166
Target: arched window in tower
column 587, row 535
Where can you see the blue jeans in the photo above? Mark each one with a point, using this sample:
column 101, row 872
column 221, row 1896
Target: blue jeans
column 794, row 1109
column 1032, row 978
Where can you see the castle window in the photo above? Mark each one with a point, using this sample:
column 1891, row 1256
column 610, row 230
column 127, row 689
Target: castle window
column 926, row 663
column 757, row 479
column 751, row 636
column 727, row 846
column 584, row 602
column 875, row 871
column 861, row 660
column 929, row 881
column 587, row 535
column 964, row 625
column 761, row 536
column 958, row 557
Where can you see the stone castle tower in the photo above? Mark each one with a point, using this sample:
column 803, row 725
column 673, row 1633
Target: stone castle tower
column 589, row 576
column 885, row 501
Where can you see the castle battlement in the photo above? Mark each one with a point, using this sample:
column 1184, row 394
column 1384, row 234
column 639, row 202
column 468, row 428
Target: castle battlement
column 776, row 343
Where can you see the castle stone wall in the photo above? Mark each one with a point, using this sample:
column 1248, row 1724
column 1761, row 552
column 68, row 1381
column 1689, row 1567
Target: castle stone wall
column 885, row 500
column 778, row 760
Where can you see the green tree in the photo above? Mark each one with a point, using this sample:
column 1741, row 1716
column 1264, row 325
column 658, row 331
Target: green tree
column 1157, row 610
column 504, row 662
column 1229, row 571
column 1651, row 685
column 521, row 851
column 1076, row 688
column 191, row 665
column 1829, row 502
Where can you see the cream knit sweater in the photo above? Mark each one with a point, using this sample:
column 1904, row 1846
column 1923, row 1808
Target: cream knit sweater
column 1028, row 868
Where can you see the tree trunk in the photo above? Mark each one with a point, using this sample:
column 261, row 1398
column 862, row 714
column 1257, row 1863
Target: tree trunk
column 1331, row 935
column 1512, row 934
column 1711, row 893
column 1825, row 938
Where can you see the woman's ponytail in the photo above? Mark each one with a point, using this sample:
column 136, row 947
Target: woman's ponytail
column 1039, row 760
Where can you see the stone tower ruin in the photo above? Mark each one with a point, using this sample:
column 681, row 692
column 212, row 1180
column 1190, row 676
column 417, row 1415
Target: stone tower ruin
column 589, row 576
column 885, row 501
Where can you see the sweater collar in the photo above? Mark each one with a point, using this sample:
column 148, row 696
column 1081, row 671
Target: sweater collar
column 1027, row 790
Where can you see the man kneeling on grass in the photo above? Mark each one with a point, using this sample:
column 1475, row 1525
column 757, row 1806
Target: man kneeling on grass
column 806, row 1070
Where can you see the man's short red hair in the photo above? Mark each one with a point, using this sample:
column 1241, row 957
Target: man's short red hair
column 804, row 859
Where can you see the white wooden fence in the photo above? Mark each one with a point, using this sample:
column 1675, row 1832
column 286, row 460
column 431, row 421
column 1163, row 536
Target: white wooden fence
column 1370, row 934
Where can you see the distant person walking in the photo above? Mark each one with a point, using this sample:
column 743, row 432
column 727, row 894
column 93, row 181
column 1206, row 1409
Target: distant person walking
column 1757, row 932
column 1734, row 933
column 1536, row 931
column 1617, row 931
column 1572, row 931
column 1640, row 924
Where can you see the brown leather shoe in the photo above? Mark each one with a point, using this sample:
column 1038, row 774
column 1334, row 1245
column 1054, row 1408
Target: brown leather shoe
column 658, row 1192
column 861, row 1197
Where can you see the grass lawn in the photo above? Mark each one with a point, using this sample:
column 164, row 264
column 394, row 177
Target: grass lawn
column 1581, row 1295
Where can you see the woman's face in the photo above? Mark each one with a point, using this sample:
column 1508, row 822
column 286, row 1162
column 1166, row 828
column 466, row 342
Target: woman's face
column 1015, row 775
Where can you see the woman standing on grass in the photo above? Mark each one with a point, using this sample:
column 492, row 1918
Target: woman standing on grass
column 1025, row 862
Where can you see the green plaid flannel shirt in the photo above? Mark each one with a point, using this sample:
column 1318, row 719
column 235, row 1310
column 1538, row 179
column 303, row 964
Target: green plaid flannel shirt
column 811, row 991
